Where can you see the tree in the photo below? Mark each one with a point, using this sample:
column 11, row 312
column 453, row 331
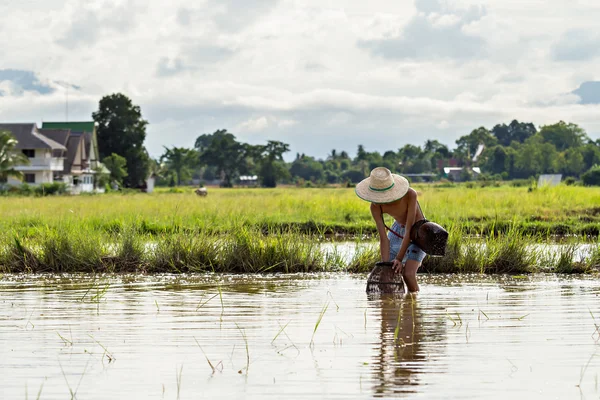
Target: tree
column 122, row 131
column 117, row 166
column 9, row 158
column 180, row 161
column 270, row 159
column 515, row 131
column 572, row 163
column 307, row 168
column 536, row 157
column 223, row 151
column 592, row 177
column 467, row 145
column 496, row 160
column 563, row 135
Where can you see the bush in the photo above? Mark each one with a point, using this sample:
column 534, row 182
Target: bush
column 592, row 176
column 569, row 181
column 44, row 189
column 47, row 189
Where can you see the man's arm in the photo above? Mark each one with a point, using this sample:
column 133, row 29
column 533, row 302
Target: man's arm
column 384, row 243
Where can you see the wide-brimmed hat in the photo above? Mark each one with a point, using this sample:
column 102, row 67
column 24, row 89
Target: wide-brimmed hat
column 382, row 186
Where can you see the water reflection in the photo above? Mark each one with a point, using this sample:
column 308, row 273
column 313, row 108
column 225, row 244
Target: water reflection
column 396, row 368
column 403, row 355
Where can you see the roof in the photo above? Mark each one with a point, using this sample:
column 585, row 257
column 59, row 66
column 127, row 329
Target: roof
column 28, row 137
column 455, row 169
column 73, row 144
column 87, row 137
column 82, row 126
column 58, row 135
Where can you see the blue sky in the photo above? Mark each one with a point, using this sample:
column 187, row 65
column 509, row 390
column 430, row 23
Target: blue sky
column 315, row 74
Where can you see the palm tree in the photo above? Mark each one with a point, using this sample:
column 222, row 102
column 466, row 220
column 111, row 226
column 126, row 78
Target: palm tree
column 179, row 160
column 9, row 158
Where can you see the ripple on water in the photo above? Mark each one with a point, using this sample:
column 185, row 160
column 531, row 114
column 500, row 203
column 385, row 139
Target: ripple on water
column 466, row 336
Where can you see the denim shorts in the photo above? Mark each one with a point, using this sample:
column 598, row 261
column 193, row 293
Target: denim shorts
column 413, row 252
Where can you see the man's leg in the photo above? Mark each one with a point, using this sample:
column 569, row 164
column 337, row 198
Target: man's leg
column 409, row 273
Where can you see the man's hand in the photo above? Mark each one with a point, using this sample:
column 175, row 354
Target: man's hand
column 397, row 265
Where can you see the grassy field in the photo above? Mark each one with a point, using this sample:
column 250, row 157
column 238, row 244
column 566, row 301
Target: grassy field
column 556, row 211
column 492, row 230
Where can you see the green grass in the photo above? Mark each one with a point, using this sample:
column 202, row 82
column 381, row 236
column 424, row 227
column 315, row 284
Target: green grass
column 250, row 251
column 492, row 230
column 560, row 210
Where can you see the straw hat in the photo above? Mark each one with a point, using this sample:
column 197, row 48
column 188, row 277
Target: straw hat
column 382, row 186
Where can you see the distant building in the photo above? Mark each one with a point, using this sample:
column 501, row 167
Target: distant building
column 248, row 180
column 58, row 153
column 455, row 172
column 549, row 180
column 452, row 162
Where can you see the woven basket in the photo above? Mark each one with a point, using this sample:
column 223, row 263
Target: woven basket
column 383, row 279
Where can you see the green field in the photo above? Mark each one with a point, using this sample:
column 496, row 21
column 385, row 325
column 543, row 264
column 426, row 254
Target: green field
column 561, row 210
column 260, row 230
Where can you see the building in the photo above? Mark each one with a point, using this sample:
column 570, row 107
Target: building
column 455, row 172
column 57, row 154
column 82, row 162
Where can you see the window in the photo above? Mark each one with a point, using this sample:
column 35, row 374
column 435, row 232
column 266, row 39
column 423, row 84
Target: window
column 29, row 153
column 30, row 178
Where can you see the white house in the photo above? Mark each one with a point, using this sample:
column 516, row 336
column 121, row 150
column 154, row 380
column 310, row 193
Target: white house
column 57, row 155
column 46, row 157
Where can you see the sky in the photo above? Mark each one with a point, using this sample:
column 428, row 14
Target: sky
column 316, row 74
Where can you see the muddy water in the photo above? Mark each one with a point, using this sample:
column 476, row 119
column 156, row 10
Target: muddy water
column 462, row 337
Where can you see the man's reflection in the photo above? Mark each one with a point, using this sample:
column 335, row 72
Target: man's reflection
column 401, row 355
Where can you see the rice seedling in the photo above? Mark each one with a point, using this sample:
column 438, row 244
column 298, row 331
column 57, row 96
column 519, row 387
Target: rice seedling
column 323, row 311
column 106, row 353
column 203, row 303
column 596, row 334
column 584, row 369
column 247, row 349
column 178, row 375
column 282, row 328
column 66, row 341
column 71, row 391
column 212, row 367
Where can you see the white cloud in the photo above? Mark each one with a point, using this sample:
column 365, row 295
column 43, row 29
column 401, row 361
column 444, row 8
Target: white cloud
column 254, row 125
column 286, row 122
column 442, row 125
column 292, row 71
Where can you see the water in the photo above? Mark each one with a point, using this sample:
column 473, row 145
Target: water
column 462, row 337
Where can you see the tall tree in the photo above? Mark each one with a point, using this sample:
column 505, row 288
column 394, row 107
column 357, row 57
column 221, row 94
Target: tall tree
column 515, row 131
column 223, row 151
column 9, row 158
column 270, row 159
column 180, row 161
column 122, row 131
column 563, row 135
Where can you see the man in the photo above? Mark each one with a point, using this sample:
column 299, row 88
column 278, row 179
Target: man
column 390, row 193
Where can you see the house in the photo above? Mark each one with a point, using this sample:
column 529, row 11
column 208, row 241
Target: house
column 58, row 153
column 248, row 180
column 455, row 172
column 46, row 156
column 83, row 156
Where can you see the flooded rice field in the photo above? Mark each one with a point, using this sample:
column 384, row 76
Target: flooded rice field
column 298, row 337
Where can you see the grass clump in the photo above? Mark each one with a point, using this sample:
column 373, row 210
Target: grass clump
column 184, row 253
